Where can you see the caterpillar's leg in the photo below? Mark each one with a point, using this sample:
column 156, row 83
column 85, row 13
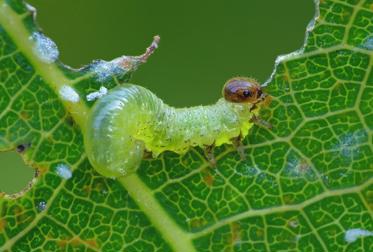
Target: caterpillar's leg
column 209, row 154
column 259, row 121
column 237, row 143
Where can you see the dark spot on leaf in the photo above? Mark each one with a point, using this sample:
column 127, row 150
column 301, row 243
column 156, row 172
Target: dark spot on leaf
column 70, row 121
column 22, row 147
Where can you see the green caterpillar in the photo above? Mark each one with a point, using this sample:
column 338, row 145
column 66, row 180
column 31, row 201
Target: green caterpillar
column 130, row 120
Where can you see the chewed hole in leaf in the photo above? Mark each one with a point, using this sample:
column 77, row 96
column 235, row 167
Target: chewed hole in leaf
column 12, row 163
column 302, row 186
column 188, row 54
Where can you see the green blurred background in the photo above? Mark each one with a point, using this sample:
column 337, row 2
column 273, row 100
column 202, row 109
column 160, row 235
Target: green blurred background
column 203, row 43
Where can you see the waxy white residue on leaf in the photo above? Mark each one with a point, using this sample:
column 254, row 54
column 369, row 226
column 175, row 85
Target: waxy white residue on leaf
column 98, row 94
column 41, row 206
column 69, row 94
column 368, row 44
column 352, row 235
column 45, row 49
column 106, row 69
column 64, row 171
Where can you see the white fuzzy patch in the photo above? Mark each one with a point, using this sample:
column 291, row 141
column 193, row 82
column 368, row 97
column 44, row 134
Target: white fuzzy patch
column 348, row 144
column 368, row 44
column 42, row 205
column 64, row 171
column 44, row 48
column 98, row 94
column 69, row 94
column 298, row 168
column 352, row 235
column 247, row 170
column 105, row 69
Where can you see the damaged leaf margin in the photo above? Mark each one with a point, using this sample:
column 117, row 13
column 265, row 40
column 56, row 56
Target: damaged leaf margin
column 306, row 185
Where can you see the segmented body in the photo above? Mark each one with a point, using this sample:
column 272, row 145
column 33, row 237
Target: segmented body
column 131, row 119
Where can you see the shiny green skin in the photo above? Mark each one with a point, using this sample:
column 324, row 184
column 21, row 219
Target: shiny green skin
column 131, row 119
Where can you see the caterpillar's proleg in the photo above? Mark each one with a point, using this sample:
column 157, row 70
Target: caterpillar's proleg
column 237, row 143
column 260, row 122
column 210, row 156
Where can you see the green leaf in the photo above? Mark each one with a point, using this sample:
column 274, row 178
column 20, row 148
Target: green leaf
column 307, row 184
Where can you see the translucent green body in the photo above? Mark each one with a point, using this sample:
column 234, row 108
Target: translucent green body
column 131, row 119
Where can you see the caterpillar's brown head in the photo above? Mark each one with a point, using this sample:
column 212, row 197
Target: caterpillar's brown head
column 243, row 90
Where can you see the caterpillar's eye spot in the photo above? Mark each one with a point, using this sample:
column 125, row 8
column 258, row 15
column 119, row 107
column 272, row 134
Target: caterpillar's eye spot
column 246, row 93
